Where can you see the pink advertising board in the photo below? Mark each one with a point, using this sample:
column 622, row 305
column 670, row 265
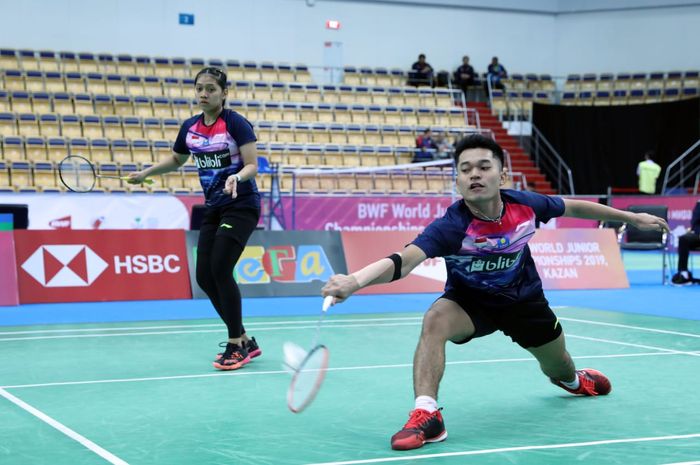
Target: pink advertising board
column 680, row 209
column 9, row 294
column 578, row 259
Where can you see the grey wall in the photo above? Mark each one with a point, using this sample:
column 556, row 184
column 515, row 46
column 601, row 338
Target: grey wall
column 551, row 36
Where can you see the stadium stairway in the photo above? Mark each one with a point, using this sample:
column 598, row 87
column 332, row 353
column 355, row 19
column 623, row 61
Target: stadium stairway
column 520, row 160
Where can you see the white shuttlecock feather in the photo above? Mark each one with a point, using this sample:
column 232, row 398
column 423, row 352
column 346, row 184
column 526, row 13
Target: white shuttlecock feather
column 293, row 356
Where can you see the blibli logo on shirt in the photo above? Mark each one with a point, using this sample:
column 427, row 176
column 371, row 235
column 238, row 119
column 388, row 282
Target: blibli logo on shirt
column 212, row 160
column 494, row 263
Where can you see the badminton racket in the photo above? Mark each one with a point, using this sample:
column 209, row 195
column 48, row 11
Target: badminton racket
column 308, row 368
column 78, row 174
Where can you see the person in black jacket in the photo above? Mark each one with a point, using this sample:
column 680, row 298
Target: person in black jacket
column 464, row 76
column 688, row 241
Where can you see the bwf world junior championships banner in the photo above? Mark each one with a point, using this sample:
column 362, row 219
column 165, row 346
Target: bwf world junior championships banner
column 565, row 259
column 379, row 213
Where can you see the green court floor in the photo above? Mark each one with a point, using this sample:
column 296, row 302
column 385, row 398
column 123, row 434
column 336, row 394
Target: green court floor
column 146, row 393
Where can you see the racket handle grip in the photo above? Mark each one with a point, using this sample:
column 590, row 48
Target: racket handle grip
column 327, row 302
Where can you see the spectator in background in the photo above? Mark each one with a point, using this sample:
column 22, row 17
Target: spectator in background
column 648, row 172
column 464, row 76
column 687, row 242
column 421, row 73
column 426, row 147
column 496, row 73
column 444, row 147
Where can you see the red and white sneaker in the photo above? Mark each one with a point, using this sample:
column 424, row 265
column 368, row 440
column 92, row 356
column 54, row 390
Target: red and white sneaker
column 591, row 383
column 421, row 427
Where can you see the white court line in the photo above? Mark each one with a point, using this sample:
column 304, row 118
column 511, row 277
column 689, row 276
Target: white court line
column 640, row 328
column 105, row 454
column 218, row 325
column 221, row 329
column 639, row 346
column 405, row 458
column 352, row 368
column 684, row 463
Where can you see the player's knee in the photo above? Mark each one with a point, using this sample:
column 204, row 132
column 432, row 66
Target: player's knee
column 435, row 324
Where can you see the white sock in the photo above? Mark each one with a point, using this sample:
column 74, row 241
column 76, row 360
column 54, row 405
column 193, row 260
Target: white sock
column 685, row 274
column 426, row 403
column 573, row 384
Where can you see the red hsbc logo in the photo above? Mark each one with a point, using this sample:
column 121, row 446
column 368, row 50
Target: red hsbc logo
column 69, row 265
column 65, row 265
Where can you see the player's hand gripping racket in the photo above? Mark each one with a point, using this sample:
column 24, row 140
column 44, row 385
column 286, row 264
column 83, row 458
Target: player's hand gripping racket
column 78, row 174
column 308, row 368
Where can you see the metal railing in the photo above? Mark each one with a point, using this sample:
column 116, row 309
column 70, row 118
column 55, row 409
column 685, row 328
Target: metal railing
column 681, row 170
column 548, row 160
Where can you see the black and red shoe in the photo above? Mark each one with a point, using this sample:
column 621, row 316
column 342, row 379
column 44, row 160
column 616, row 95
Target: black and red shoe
column 591, row 383
column 251, row 346
column 233, row 358
column 421, row 427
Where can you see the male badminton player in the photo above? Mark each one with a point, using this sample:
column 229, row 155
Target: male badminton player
column 492, row 283
column 222, row 143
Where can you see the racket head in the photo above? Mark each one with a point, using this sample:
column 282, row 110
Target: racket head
column 307, row 379
column 77, row 173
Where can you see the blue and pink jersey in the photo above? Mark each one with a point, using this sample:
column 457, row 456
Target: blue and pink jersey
column 491, row 258
column 216, row 152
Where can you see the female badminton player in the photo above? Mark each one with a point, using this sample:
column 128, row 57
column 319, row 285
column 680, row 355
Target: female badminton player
column 222, row 143
column 492, row 281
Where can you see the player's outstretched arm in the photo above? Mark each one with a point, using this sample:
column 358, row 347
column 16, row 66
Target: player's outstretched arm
column 595, row 211
column 171, row 163
column 342, row 286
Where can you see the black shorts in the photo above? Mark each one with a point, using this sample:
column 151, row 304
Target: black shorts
column 230, row 221
column 530, row 323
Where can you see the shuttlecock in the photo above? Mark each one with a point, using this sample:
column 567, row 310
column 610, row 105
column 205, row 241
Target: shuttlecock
column 293, row 357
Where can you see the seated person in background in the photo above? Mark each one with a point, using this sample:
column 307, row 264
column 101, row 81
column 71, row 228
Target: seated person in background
column 464, row 76
column 496, row 73
column 426, row 147
column 421, row 73
column 688, row 241
column 444, row 147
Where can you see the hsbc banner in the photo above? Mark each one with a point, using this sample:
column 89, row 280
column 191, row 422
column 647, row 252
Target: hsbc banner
column 102, row 211
column 93, row 266
column 280, row 263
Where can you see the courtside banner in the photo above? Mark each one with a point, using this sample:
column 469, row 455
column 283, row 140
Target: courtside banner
column 363, row 248
column 281, row 263
column 102, row 211
column 8, row 268
column 93, row 266
column 680, row 210
column 578, row 259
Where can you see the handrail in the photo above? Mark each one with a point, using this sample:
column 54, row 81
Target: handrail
column 551, row 163
column 693, row 170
